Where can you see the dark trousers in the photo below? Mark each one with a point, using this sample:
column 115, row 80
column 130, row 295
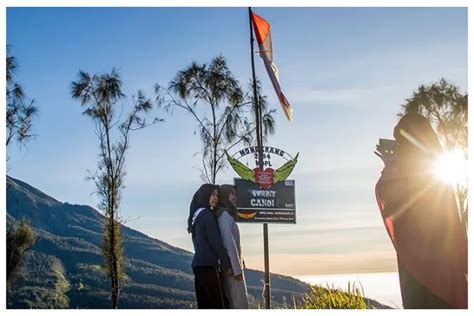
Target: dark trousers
column 209, row 290
column 415, row 295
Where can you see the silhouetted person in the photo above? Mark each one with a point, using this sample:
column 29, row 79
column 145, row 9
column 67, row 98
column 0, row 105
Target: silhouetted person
column 422, row 220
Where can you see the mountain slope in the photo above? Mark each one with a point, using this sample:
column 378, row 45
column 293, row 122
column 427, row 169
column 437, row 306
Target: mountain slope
column 158, row 274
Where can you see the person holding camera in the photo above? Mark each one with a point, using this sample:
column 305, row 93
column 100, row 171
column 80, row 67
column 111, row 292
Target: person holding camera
column 421, row 217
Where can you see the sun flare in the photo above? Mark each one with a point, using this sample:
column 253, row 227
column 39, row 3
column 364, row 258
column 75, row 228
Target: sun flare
column 451, row 167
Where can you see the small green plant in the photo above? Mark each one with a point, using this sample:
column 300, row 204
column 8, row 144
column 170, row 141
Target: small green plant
column 333, row 298
column 20, row 239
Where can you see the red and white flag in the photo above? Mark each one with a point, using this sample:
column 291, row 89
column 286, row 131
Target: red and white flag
column 262, row 32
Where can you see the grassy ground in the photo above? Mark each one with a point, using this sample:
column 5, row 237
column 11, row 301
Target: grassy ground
column 333, row 298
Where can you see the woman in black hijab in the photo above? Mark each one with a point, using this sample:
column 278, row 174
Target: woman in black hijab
column 210, row 257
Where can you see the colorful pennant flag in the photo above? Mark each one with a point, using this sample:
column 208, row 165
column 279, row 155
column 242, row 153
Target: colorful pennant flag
column 262, row 32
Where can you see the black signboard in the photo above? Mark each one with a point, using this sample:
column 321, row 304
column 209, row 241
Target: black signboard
column 274, row 205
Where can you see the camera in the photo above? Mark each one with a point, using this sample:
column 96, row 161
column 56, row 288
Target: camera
column 388, row 146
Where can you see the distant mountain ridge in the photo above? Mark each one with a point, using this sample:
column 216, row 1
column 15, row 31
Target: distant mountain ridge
column 159, row 275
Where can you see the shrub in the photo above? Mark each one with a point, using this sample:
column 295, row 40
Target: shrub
column 333, row 298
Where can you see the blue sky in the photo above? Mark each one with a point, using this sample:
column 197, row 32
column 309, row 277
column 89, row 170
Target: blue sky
column 344, row 70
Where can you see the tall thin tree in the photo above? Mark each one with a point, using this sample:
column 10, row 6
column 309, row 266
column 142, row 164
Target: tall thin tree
column 446, row 107
column 19, row 122
column 223, row 112
column 100, row 94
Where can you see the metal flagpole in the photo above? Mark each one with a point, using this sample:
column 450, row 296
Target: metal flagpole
column 258, row 121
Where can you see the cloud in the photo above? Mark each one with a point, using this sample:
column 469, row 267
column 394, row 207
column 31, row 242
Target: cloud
column 352, row 97
column 337, row 178
column 376, row 78
column 310, row 264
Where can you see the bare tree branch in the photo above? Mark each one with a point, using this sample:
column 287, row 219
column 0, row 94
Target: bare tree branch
column 214, row 87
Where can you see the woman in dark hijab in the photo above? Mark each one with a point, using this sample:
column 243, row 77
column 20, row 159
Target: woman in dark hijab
column 422, row 220
column 210, row 257
column 192, row 209
column 234, row 285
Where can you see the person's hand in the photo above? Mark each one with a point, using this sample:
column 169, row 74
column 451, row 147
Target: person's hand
column 238, row 277
column 228, row 272
column 386, row 156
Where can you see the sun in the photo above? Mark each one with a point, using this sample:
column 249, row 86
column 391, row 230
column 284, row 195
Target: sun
column 451, row 167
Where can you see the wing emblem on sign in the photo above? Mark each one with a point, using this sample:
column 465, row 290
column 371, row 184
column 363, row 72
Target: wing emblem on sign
column 284, row 171
column 247, row 215
column 242, row 170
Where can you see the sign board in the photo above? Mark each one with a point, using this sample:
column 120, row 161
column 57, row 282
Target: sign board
column 265, row 178
column 274, row 205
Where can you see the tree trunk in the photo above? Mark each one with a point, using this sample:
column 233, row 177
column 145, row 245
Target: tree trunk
column 214, row 162
column 215, row 142
column 114, row 272
column 114, row 240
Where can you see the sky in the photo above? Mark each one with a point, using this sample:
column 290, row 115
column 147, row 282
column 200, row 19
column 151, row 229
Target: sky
column 346, row 71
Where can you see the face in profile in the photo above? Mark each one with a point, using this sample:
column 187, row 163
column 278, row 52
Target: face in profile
column 214, row 199
column 233, row 197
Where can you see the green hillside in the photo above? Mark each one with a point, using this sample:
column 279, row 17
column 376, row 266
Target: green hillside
column 68, row 251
